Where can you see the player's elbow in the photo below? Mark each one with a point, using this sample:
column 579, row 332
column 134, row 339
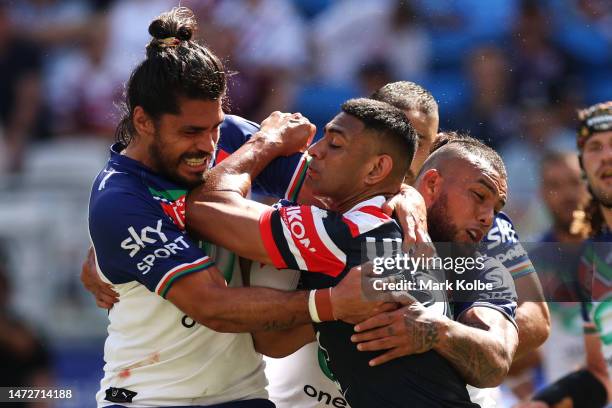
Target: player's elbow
column 533, row 319
column 543, row 329
column 210, row 315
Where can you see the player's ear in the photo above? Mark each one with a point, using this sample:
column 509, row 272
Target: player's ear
column 429, row 185
column 381, row 167
column 143, row 122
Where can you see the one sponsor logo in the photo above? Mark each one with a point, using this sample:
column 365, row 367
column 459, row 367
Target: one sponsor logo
column 148, row 235
column 293, row 218
column 513, row 253
column 502, row 232
column 324, row 398
column 171, row 248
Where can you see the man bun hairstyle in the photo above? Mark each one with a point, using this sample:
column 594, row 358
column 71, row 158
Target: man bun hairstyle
column 391, row 124
column 175, row 67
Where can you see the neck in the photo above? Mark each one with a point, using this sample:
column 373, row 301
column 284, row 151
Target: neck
column 138, row 151
column 607, row 214
column 346, row 204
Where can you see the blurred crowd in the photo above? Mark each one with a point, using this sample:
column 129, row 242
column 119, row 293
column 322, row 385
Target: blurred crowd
column 510, row 72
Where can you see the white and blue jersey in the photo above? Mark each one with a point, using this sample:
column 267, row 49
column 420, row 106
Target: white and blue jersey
column 155, row 354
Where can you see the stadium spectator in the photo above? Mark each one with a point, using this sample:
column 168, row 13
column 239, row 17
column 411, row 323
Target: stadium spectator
column 270, row 52
column 20, row 93
column 490, row 115
column 25, row 360
column 88, row 87
column 394, row 34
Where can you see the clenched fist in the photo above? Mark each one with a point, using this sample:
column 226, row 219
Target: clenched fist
column 290, row 132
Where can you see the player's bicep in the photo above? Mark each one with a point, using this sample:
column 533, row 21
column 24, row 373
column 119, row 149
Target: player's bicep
column 305, row 238
column 192, row 292
column 230, row 221
column 491, row 320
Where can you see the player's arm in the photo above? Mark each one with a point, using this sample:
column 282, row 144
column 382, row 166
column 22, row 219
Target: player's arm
column 532, row 315
column 281, row 343
column 480, row 346
column 218, row 210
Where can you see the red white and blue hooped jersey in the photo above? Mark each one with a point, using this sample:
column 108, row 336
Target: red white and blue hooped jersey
column 325, row 245
column 137, row 229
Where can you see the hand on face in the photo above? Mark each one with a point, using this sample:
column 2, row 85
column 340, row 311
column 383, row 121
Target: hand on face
column 291, row 133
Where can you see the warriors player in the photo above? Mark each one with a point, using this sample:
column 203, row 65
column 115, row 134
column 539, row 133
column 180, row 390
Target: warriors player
column 591, row 387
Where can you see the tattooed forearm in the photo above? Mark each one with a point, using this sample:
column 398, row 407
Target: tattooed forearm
column 424, row 333
column 480, row 348
column 476, row 363
column 280, row 325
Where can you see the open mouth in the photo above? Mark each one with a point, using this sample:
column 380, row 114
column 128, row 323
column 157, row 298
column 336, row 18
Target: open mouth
column 196, row 163
column 606, row 174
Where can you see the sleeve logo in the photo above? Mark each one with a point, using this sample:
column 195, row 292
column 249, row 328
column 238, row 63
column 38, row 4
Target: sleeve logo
column 135, row 242
column 293, row 218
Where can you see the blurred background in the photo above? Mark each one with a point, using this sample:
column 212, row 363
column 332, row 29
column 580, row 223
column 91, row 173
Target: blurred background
column 511, row 72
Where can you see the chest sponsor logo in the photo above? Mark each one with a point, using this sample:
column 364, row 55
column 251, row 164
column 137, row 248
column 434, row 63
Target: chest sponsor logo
column 293, row 218
column 325, row 398
column 149, row 236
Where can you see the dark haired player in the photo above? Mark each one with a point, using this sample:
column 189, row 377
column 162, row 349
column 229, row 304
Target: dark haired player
column 591, row 387
column 163, row 350
column 372, row 140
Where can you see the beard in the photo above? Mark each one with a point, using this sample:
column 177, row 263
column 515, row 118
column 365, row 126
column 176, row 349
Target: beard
column 167, row 166
column 441, row 229
column 603, row 197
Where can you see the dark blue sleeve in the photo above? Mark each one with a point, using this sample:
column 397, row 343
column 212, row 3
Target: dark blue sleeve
column 280, row 179
column 501, row 297
column 134, row 240
column 502, row 243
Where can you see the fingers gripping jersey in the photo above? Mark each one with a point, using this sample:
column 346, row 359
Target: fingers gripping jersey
column 282, row 178
column 325, row 245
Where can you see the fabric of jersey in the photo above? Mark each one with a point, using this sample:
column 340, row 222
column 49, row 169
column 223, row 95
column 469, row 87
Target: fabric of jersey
column 326, row 245
column 137, row 229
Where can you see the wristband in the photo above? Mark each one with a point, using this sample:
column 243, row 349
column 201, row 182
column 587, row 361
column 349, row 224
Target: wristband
column 323, row 305
column 312, row 307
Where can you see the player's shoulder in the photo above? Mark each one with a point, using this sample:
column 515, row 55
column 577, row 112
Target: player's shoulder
column 368, row 217
column 502, row 230
column 233, row 124
column 117, row 195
